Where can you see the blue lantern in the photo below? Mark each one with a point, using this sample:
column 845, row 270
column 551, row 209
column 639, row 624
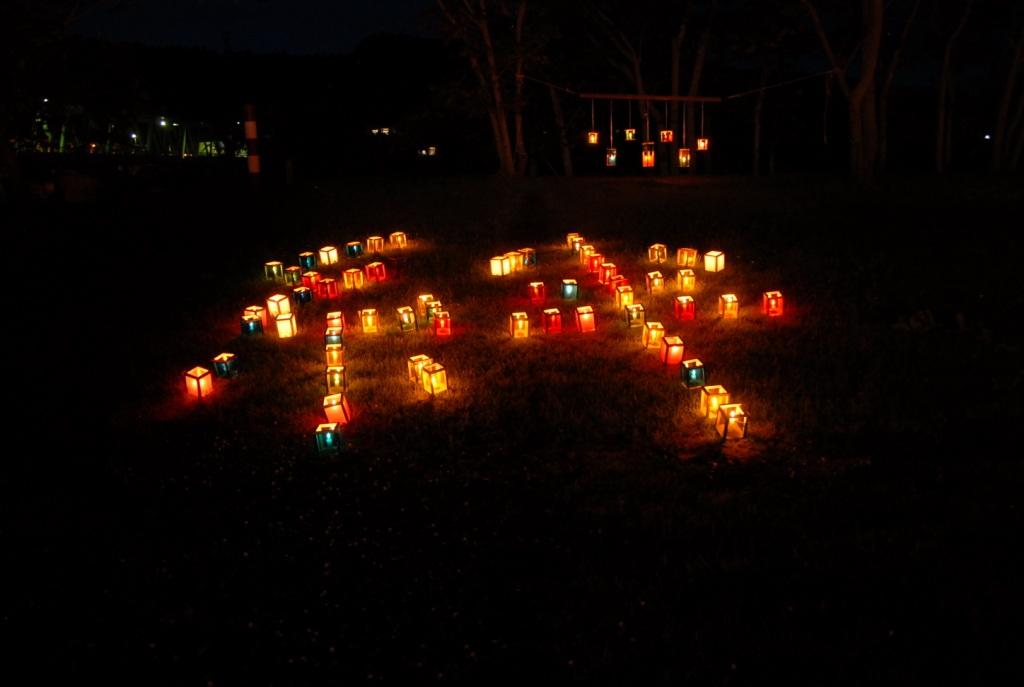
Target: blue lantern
column 328, row 437
column 693, row 373
column 302, row 295
column 353, row 249
column 334, row 336
column 570, row 289
column 252, row 325
column 225, row 365
column 307, row 261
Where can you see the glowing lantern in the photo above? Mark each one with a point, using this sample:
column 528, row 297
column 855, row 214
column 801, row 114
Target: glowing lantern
column 328, row 437
column 353, row 249
column 327, row 288
column 416, row 364
column 686, row 257
column 577, row 244
column 375, row 271
column 337, row 409
column 529, row 257
column 433, row 309
column 537, row 293
column 375, row 244
column 606, row 272
column 655, row 282
column 517, row 260
column 611, row 157
column 311, row 279
column 658, row 252
column 616, row 280
column 353, row 278
column 335, row 318
column 368, row 319
column 434, row 379
column 273, row 270
column 731, row 422
column 652, row 334
column 336, row 379
column 729, row 306
column 334, row 354
column 406, row 319
column 671, row 350
column 630, row 134
column 257, row 310
column 686, row 280
column 685, row 308
column 278, row 304
column 634, row 315
column 307, row 260
column 570, row 289
column 442, row 323
column 302, row 295
column 647, row 154
column 251, row 325
column 519, row 325
column 624, row 296
column 594, row 262
column 225, row 365
column 397, row 239
column 667, row 135
column 421, row 303
column 592, row 137
column 585, row 319
column 199, row 383
column 714, row 261
column 293, row 275
column 328, row 255
column 334, row 336
column 569, row 239
column 711, row 397
column 585, row 252
column 703, row 143
column 501, row 265
column 771, row 303
column 693, row 373
column 286, row 327
column 684, row 158
column 552, row 321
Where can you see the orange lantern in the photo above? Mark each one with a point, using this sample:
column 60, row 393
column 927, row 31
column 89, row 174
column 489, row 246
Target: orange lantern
column 442, row 324
column 729, row 306
column 684, row 158
column 771, row 303
column 685, row 308
column 657, row 252
column 569, row 239
column 368, row 319
column 334, row 354
column 624, row 296
column 652, row 334
column 397, row 239
column 585, row 319
column 337, row 409
column 310, row 279
column 327, row 288
column 672, row 350
column 606, row 272
column 686, row 280
column 434, row 379
column 416, row 364
column 655, row 282
column 577, row 244
column 375, row 271
column 586, row 250
column 592, row 137
column 731, row 422
column 421, row 303
column 630, row 134
column 594, row 262
column 406, row 319
column 375, row 244
column 353, row 278
column 703, row 144
column 711, row 397
column 519, row 325
column 278, row 304
column 634, row 315
column 517, row 260
column 667, row 135
column 647, row 154
column 328, row 255
column 686, row 257
column 714, row 261
column 257, row 311
column 336, row 380
column 335, row 318
column 552, row 321
column 537, row 292
column 615, row 282
column 286, row 327
column 199, row 383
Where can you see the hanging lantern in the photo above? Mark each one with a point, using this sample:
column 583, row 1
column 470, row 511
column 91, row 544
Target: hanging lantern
column 585, row 319
column 286, row 327
column 302, row 295
column 225, row 365
column 686, row 257
column 703, row 144
column 592, row 137
column 336, row 379
column 771, row 303
column 397, row 239
column 273, row 270
column 328, row 255
column 293, row 275
column 537, row 293
column 310, row 279
column 517, row 260
column 368, row 319
column 667, row 135
column 671, row 350
column 434, row 379
column 652, row 335
column 731, row 422
column 406, row 319
column 251, row 325
column 611, row 157
column 375, row 271
column 278, row 304
column 416, row 364
column 647, row 154
column 519, row 325
column 634, row 315
column 375, row 244
column 353, row 249
column 714, row 261
column 655, row 282
column 442, row 323
column 624, row 296
column 615, row 282
column 657, row 252
column 257, row 310
column 570, row 289
column 335, row 318
column 501, row 265
column 711, row 397
column 577, row 244
column 198, row 383
column 685, row 308
column 693, row 374
column 729, row 306
column 606, row 272
column 337, row 409
column 328, row 437
column 529, row 257
column 334, row 354
column 421, row 303
column 630, row 134
column 572, row 235
column 594, row 262
column 684, row 158
column 334, row 336
column 686, row 280
column 353, row 278
column 552, row 321
column 327, row 288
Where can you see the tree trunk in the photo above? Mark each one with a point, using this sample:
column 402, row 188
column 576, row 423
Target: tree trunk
column 563, row 138
column 943, row 127
column 677, row 50
column 695, row 75
column 520, row 149
column 1001, row 145
column 883, row 100
column 758, row 112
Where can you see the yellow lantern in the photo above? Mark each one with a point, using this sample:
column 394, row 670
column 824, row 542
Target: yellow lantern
column 257, row 311
column 684, row 158
column 337, row 409
column 353, row 278
column 655, row 282
column 368, row 318
column 658, row 252
column 686, row 257
column 593, row 137
column 334, row 354
column 293, row 274
column 375, row 244
column 328, row 255
column 569, row 238
column 630, row 134
column 416, row 364
column 586, row 250
column 623, row 296
column 286, row 327
column 397, row 239
column 635, row 315
column 435, row 379
column 278, row 304
column 711, row 397
column 519, row 325
column 199, row 383
column 686, row 280
column 714, row 261
column 336, row 379
column 421, row 303
column 501, row 265
column 406, row 319
column 273, row 270
column 652, row 335
column 731, row 422
column 729, row 306
column 703, row 144
column 647, row 154
column 517, row 260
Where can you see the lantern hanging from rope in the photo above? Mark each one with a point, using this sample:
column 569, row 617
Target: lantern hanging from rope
column 647, row 147
column 630, row 131
column 684, row 152
column 666, row 134
column 611, row 155
column 592, row 135
column 703, row 143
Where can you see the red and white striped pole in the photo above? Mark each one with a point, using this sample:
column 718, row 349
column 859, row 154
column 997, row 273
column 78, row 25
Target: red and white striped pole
column 252, row 142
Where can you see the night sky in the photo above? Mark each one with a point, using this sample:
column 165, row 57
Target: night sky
column 265, row 26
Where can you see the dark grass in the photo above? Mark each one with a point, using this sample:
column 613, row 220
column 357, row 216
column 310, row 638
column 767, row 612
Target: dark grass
column 562, row 511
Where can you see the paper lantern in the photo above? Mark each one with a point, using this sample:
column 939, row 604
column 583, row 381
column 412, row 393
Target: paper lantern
column 537, row 292
column 517, row 260
column 336, row 379
column 606, row 272
column 667, row 135
column 630, row 134
column 251, row 325
column 771, row 303
column 686, row 280
column 569, row 239
column 652, row 335
column 693, row 374
column 684, row 158
column 552, row 321
column 686, row 257
column 311, row 279
column 570, row 289
column 529, row 256
column 327, row 288
column 657, row 252
column 611, row 157
column 501, row 265
column 729, row 306
column 615, row 282
column 368, row 320
column 647, row 154
column 586, row 250
column 442, row 323
column 578, row 243
column 714, row 261
column 434, row 379
column 703, row 144
column 375, row 271
column 634, row 315
column 334, row 354
column 685, row 308
column 302, row 295
column 585, row 321
column 655, row 282
column 434, row 308
column 353, row 249
column 335, row 318
column 328, row 255
column 278, row 304
column 731, row 422
column 307, row 260
column 198, row 383
column 671, row 350
column 328, row 437
column 592, row 137
column 397, row 239
column 293, row 275
column 711, row 397
column 225, row 365
column 286, row 327
column 624, row 296
column 421, row 303
column 416, row 364
column 257, row 310
column 337, row 409
column 334, row 336
column 353, row 278
column 519, row 325
column 273, row 270
column 406, row 319
column 375, row 244
column 594, row 262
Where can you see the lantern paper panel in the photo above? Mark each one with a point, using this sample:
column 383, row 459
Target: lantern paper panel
column 421, row 303
column 652, row 335
column 337, row 409
column 442, row 323
column 729, row 306
column 416, row 363
column 570, row 289
column 686, row 257
column 286, row 326
column 328, row 255
column 667, row 135
column 685, row 308
column 552, row 321
column 519, row 325
column 703, row 144
column 375, row 244
column 772, row 304
column 585, row 321
column 353, row 249
column 406, row 319
column 569, row 239
column 328, row 437
column 278, row 304
column 657, row 252
column 624, row 296
column 655, row 282
column 375, row 271
column 334, row 336
column 302, row 295
column 225, row 365
column 693, row 373
column 594, row 262
column 273, row 270
column 611, row 157
column 606, row 272
column 635, row 315
column 398, row 239
column 684, row 158
column 630, row 134
column 353, row 278
column 537, row 292
column 529, row 256
column 198, row 383
column 327, row 288
column 368, row 320
column 686, row 280
column 593, row 137
column 334, row 354
column 251, row 325
column 711, row 397
column 293, row 275
column 307, row 260
column 671, row 350
column 258, row 311
column 647, row 154
column 731, row 422
column 714, row 261
column 434, row 379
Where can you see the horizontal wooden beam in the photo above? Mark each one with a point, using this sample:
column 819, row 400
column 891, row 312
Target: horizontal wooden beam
column 669, row 98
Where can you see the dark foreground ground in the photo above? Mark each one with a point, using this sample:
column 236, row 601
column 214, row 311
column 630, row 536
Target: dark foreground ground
column 560, row 527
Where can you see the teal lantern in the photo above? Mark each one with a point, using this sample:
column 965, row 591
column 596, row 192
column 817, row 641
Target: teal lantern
column 529, row 257
column 570, row 289
column 353, row 249
column 293, row 275
column 302, row 295
column 334, row 336
column 252, row 325
column 328, row 437
column 225, row 365
column 307, row 261
column 693, row 373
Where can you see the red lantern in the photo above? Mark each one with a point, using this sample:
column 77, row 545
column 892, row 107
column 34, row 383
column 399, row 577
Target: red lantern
column 685, row 308
column 607, row 271
column 667, row 135
column 671, row 350
column 771, row 303
column 328, row 288
column 375, row 270
column 310, row 279
column 537, row 293
column 585, row 319
column 337, row 409
column 615, row 282
column 552, row 321
column 336, row 319
column 594, row 262
column 442, row 324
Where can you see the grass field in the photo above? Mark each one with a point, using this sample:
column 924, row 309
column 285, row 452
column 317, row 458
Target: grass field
column 563, row 511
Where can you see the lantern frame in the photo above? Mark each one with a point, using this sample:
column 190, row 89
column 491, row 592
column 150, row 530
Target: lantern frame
column 686, row 257
column 703, row 144
column 714, row 261
column 570, row 290
column 657, row 252
column 337, row 409
column 421, row 303
column 443, row 324
column 334, row 354
column 375, row 244
column 729, row 306
column 398, row 239
column 375, row 271
column 731, row 421
column 293, row 274
column 302, row 295
column 307, row 260
column 286, row 325
column 711, row 397
column 611, row 157
column 593, row 138
column 655, row 281
column 519, row 325
column 251, row 325
column 278, row 304
column 225, row 365
column 671, row 351
column 353, row 249
column 685, row 158
column 594, row 262
column 652, row 334
column 406, row 319
column 537, row 292
column 552, row 321
column 328, row 437
column 630, row 134
column 328, row 255
column 529, row 256
column 647, row 154
column 310, row 279
column 693, row 374
column 606, row 272
column 198, row 382
column 368, row 320
column 416, row 363
column 586, row 320
column 334, row 336
column 624, row 296
column 685, row 308
column 328, row 288
column 257, row 310
column 569, row 238
column 634, row 314
column 434, row 378
column 336, row 379
column 353, row 278
column 686, row 280
column 273, row 270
